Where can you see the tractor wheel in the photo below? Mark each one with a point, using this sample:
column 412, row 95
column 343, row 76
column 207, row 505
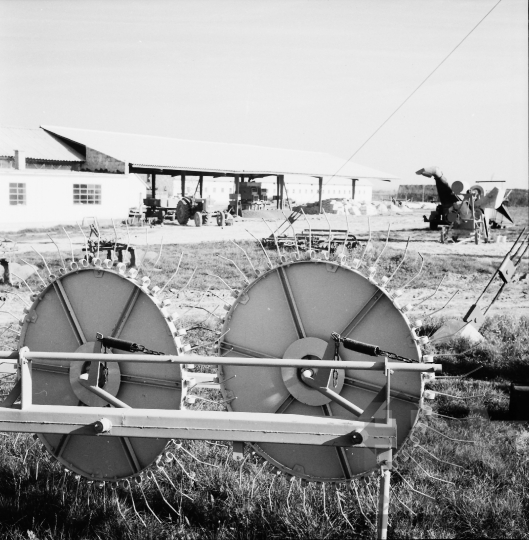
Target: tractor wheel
column 198, row 219
column 205, row 219
column 183, row 212
column 220, row 219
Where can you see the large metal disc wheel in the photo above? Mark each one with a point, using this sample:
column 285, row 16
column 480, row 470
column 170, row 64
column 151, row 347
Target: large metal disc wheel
column 65, row 317
column 183, row 211
column 290, row 312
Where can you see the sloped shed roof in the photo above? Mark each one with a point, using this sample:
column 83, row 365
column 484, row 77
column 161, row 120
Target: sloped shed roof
column 178, row 154
column 37, row 144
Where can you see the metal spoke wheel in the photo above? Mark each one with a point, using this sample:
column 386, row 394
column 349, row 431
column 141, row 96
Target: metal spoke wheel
column 65, row 317
column 290, row 312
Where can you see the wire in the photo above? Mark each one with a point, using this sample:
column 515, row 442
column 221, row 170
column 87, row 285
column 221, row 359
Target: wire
column 414, row 91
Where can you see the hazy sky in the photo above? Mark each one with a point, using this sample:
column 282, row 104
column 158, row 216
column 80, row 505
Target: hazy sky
column 310, row 75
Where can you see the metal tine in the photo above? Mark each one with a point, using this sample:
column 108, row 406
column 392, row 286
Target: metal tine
column 128, row 237
column 432, row 295
column 385, row 246
column 159, row 255
column 24, row 281
column 310, row 251
column 262, row 247
column 440, row 309
column 211, row 313
column 330, row 234
column 417, row 274
column 34, row 268
column 246, row 255
column 115, row 236
column 153, row 476
column 368, row 240
column 188, row 282
column 127, row 483
column 401, row 261
column 209, row 343
column 291, row 225
column 175, row 272
column 43, row 259
column 146, row 248
column 85, row 240
column 9, row 312
column 346, row 233
column 234, row 264
column 20, row 298
column 197, row 303
column 63, row 269
column 71, row 244
column 215, row 275
column 426, row 472
column 275, row 238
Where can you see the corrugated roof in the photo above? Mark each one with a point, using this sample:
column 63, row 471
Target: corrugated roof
column 37, row 144
column 179, row 154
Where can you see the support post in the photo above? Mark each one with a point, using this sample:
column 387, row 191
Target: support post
column 183, row 184
column 320, row 191
column 354, row 180
column 153, row 185
column 201, row 184
column 237, row 196
column 26, row 392
column 383, row 504
column 277, row 191
column 281, row 191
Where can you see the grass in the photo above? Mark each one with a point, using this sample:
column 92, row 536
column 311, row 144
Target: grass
column 488, row 493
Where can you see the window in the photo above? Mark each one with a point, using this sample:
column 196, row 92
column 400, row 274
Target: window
column 87, row 193
column 17, row 193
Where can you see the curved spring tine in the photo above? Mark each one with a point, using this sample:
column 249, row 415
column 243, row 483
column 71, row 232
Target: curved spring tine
column 196, row 304
column 146, row 247
column 175, row 272
column 440, row 309
column 9, row 313
column 43, row 259
column 246, row 255
column 188, row 281
column 309, row 250
column 115, row 236
column 385, row 246
column 293, row 232
column 275, row 237
column 234, row 264
column 71, row 245
column 330, row 233
column 23, row 281
column 215, row 275
column 58, row 250
column 20, row 298
column 346, row 232
column 159, row 254
column 34, row 268
column 400, row 263
column 85, row 239
column 432, row 295
column 262, row 247
column 210, row 343
column 368, row 239
column 417, row 274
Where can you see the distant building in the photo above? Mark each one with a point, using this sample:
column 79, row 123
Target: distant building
column 56, row 175
column 44, row 181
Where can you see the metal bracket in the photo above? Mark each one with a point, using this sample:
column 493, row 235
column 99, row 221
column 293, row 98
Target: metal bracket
column 238, row 451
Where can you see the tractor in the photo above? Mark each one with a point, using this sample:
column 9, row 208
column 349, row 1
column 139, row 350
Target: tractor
column 192, row 208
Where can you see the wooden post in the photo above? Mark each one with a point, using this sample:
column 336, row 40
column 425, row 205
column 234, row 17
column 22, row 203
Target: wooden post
column 237, row 196
column 153, row 185
column 282, row 191
column 183, row 184
column 354, row 180
column 320, row 190
column 201, row 184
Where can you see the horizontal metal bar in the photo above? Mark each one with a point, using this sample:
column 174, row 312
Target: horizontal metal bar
column 210, row 425
column 396, row 394
column 8, row 355
column 230, row 361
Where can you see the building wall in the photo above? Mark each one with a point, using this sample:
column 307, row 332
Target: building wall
column 49, row 197
column 97, row 161
column 306, row 191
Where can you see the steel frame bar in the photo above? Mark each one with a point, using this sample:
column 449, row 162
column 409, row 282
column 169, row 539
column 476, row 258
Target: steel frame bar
column 233, row 361
column 203, row 425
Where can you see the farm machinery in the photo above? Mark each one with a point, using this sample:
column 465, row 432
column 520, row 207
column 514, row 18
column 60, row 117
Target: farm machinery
column 468, row 208
column 320, row 369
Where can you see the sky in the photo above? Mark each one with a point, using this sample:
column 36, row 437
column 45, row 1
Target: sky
column 317, row 75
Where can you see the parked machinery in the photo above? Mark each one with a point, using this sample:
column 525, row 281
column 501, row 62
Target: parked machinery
column 253, row 196
column 194, row 208
column 465, row 207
